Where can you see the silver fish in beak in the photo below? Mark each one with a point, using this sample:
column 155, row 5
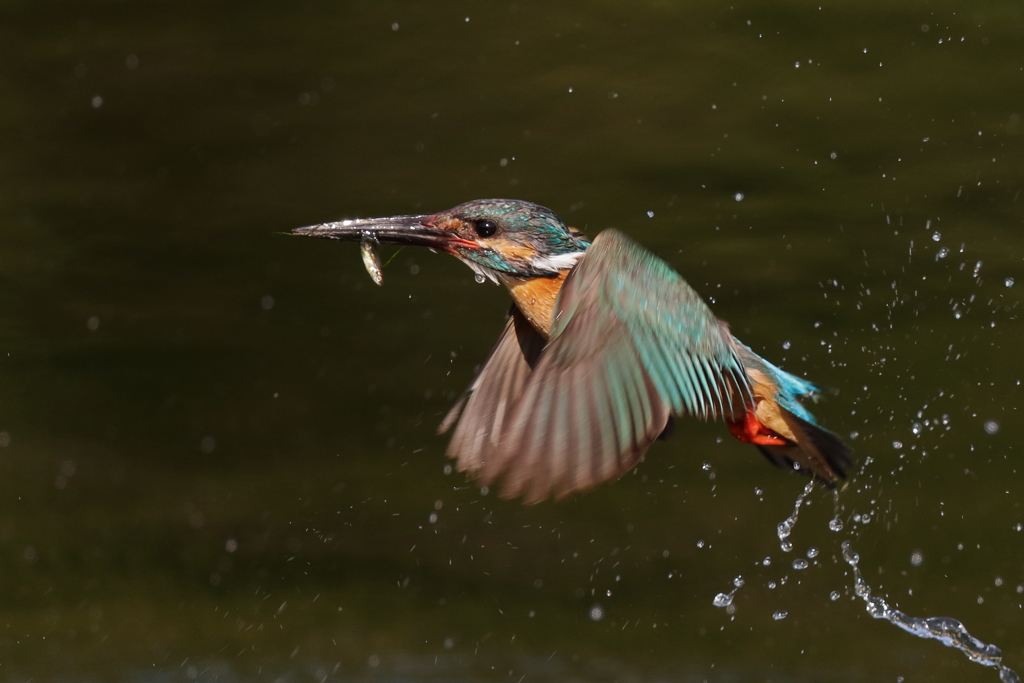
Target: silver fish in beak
column 371, row 261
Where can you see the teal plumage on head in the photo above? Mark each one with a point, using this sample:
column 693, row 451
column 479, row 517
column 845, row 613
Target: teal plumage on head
column 605, row 346
column 527, row 240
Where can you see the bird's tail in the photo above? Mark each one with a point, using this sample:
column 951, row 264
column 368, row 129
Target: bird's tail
column 783, row 430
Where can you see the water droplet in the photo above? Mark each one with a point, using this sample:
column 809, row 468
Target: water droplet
column 977, row 267
column 916, row 558
column 706, row 467
column 991, row 426
column 812, row 553
column 700, row 544
column 650, row 214
column 851, row 557
column 738, row 196
column 916, row 428
column 833, row 596
column 800, row 563
column 722, row 600
column 897, row 445
column 596, row 613
column 835, row 524
column 480, row 279
column 786, row 344
column 936, row 236
column 738, row 582
column 943, row 253
column 1008, row 282
column 780, row 615
column 433, row 518
column 767, row 561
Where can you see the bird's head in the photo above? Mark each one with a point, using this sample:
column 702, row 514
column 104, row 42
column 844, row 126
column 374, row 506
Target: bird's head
column 494, row 237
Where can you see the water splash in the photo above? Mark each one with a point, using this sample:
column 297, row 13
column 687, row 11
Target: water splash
column 836, row 523
column 725, row 599
column 946, row 630
column 785, row 527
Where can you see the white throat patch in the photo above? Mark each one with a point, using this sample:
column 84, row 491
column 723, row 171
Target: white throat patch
column 559, row 262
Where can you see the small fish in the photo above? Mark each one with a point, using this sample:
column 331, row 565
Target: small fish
column 371, row 261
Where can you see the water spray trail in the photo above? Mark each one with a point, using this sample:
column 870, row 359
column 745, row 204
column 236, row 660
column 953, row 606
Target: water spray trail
column 784, row 530
column 786, row 526
column 946, row 630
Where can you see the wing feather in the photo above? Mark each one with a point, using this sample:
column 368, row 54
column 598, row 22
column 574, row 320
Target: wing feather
column 489, row 399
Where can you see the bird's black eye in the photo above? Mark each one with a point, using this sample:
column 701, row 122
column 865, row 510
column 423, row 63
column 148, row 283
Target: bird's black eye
column 485, row 227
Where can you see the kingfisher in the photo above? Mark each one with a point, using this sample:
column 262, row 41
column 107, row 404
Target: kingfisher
column 605, row 347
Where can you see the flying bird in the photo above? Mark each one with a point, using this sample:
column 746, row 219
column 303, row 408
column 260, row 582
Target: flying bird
column 605, row 347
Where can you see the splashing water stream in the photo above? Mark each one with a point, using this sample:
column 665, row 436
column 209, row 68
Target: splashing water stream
column 785, row 527
column 946, row 630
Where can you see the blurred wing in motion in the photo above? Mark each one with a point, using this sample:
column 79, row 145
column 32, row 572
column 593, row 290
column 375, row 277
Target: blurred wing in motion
column 631, row 344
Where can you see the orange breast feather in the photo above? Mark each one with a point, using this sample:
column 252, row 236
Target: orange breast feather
column 535, row 298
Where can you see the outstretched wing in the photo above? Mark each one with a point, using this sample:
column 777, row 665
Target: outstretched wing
column 488, row 400
column 631, row 344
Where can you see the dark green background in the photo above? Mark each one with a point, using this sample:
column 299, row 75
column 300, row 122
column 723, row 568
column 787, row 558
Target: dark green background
column 201, row 417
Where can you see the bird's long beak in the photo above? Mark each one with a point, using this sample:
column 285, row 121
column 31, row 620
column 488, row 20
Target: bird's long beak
column 412, row 230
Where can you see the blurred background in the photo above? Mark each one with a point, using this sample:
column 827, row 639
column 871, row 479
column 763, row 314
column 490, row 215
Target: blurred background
column 218, row 457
